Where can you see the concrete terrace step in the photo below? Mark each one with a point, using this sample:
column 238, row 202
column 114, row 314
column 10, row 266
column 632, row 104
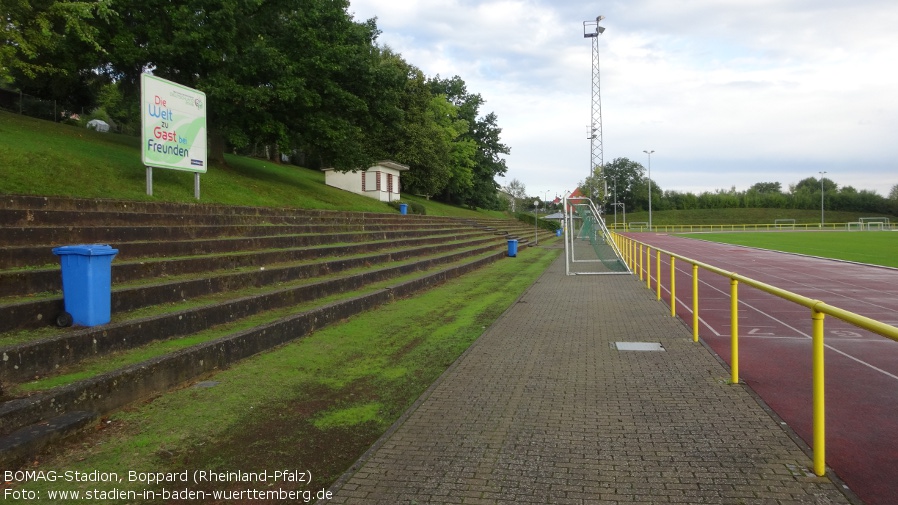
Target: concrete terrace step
column 41, row 255
column 49, row 218
column 16, row 447
column 76, row 205
column 37, row 313
column 24, row 361
column 108, row 391
column 112, row 234
column 202, row 270
column 41, row 280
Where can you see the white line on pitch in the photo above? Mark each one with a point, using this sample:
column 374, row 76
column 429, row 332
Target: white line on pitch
column 801, row 333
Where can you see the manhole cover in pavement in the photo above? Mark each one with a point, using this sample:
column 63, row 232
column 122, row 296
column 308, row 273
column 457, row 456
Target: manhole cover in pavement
column 638, row 346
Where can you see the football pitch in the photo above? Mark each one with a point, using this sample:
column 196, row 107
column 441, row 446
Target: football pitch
column 871, row 247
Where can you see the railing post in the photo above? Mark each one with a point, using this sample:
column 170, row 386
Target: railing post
column 734, row 331
column 673, row 287
column 648, row 268
column 626, row 249
column 819, row 395
column 658, row 274
column 694, row 302
column 640, row 261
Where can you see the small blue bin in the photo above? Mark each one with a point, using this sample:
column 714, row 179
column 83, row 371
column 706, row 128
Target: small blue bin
column 558, row 232
column 512, row 248
column 403, row 209
column 87, row 282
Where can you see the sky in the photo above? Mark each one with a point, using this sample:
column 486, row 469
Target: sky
column 727, row 93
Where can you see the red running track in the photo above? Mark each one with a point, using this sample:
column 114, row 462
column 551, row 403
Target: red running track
column 775, row 348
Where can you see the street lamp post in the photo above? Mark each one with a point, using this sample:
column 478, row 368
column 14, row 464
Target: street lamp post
column 624, row 207
column 650, row 187
column 536, row 222
column 821, row 199
column 615, row 204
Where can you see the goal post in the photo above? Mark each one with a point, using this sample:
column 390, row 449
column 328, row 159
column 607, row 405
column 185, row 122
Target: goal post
column 588, row 245
column 876, row 223
column 784, row 224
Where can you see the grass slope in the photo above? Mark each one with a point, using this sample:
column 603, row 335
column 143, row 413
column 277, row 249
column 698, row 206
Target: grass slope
column 43, row 158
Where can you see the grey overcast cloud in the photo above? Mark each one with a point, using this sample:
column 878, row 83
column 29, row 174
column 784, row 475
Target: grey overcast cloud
column 726, row 92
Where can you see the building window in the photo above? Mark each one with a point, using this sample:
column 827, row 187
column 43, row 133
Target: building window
column 378, row 180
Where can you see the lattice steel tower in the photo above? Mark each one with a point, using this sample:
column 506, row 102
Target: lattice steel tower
column 591, row 29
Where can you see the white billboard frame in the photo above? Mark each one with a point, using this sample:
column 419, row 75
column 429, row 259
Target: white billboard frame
column 173, row 128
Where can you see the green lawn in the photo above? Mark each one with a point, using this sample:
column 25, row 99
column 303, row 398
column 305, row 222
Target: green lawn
column 43, row 158
column 873, row 247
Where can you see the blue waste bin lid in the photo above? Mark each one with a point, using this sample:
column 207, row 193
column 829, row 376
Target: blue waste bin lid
column 85, row 250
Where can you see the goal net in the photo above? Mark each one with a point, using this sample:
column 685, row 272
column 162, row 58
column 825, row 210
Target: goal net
column 876, row 223
column 784, row 224
column 588, row 246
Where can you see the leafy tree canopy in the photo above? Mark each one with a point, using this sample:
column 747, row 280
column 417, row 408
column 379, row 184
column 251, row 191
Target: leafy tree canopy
column 295, row 76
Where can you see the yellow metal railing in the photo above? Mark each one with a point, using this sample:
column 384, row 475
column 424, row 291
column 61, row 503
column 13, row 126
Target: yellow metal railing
column 697, row 228
column 819, row 309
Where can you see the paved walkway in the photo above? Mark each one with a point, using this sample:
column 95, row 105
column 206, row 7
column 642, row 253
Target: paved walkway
column 544, row 408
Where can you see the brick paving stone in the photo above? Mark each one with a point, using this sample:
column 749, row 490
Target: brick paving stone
column 543, row 408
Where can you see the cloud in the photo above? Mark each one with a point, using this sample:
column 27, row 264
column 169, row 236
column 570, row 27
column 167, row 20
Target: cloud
column 724, row 92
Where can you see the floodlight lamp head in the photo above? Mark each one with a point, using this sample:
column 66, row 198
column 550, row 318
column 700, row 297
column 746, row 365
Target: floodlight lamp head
column 587, row 32
column 599, row 18
column 600, row 30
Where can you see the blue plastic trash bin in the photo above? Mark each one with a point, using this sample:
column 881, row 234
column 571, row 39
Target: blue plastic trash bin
column 403, row 209
column 558, row 232
column 87, row 282
column 512, row 248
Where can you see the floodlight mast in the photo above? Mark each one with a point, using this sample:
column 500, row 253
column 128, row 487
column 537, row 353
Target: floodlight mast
column 592, row 30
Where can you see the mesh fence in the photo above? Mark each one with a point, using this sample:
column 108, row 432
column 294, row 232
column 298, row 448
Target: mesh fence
column 591, row 250
column 28, row 105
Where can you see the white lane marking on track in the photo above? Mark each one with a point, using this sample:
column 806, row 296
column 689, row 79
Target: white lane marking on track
column 830, row 291
column 759, row 311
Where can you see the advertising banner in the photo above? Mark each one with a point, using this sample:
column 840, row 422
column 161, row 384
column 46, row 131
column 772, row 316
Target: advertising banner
column 173, row 125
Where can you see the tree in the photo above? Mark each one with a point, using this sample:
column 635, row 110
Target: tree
column 50, row 48
column 765, row 194
column 593, row 186
column 893, row 193
column 387, row 102
column 485, row 134
column 487, row 162
column 33, row 30
column 812, row 185
column 422, row 143
column 626, row 183
column 286, row 73
column 518, row 192
column 766, row 187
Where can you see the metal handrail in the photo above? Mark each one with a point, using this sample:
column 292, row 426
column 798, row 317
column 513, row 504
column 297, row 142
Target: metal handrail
column 702, row 228
column 818, row 310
